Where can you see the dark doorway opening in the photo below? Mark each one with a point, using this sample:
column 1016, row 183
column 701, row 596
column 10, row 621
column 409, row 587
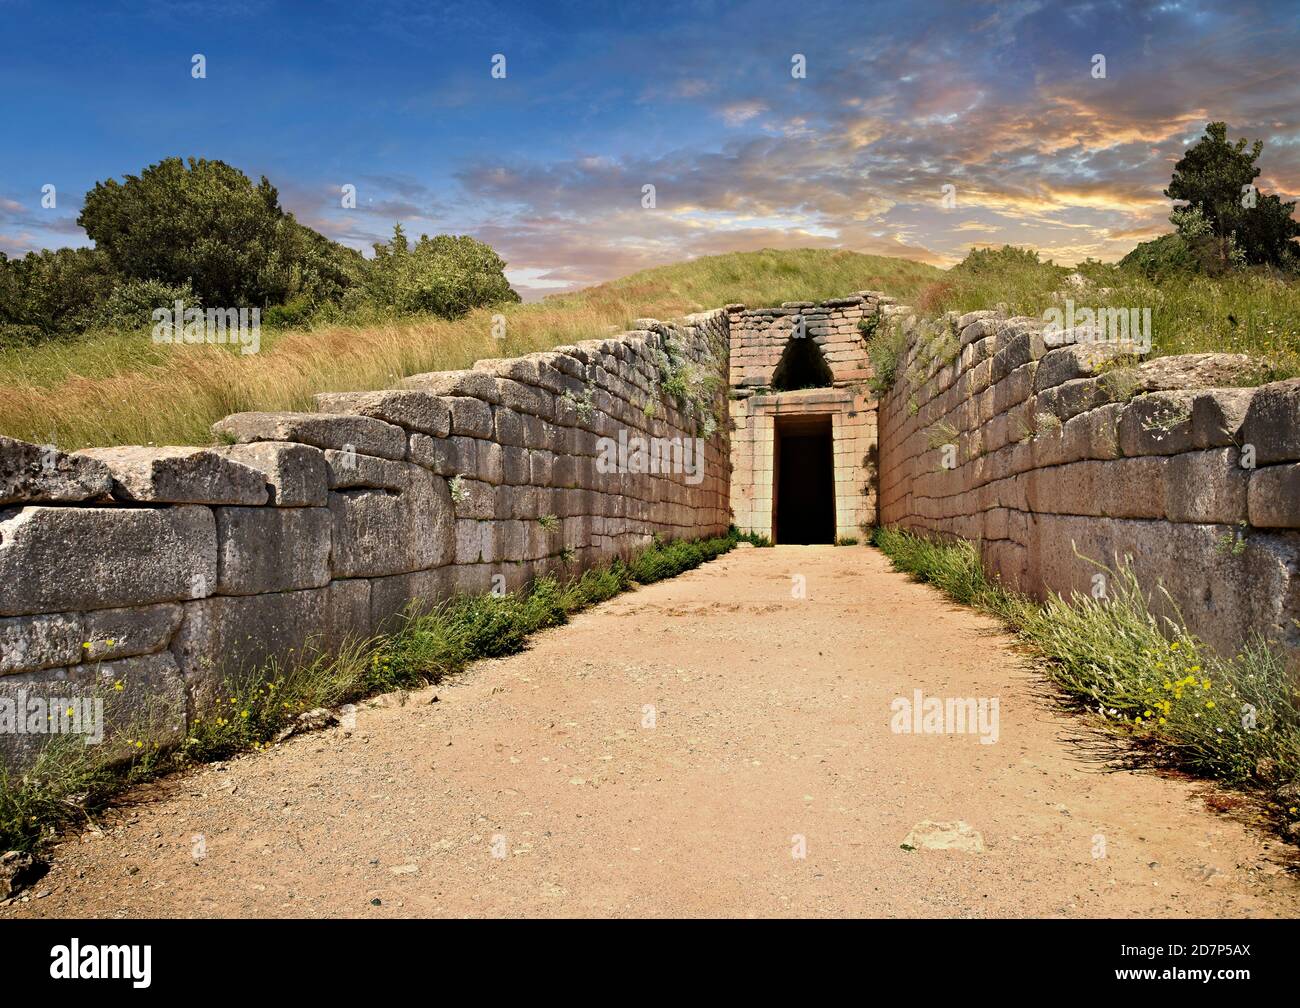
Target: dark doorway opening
column 804, row 464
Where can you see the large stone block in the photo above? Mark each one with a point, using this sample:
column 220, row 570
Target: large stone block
column 470, row 417
column 224, row 637
column 180, row 475
column 1206, row 487
column 408, row 408
column 379, row 532
column 1198, row 371
column 1217, row 416
column 472, row 384
column 1272, row 422
column 134, row 630
column 31, row 643
column 142, row 703
column 475, row 499
column 321, row 430
column 56, row 559
column 272, row 549
column 348, row 470
column 416, row 593
column 1157, row 424
column 1068, row 363
column 295, row 474
column 32, row 473
column 1274, row 496
column 1223, row 595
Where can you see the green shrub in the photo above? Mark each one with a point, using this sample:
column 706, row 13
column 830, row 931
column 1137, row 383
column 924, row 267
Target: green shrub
column 445, row 276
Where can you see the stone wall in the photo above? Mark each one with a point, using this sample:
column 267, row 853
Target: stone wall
column 1050, row 453
column 150, row 575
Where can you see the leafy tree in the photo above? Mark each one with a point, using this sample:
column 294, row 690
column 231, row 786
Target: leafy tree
column 52, row 293
column 1224, row 212
column 206, row 223
column 446, row 275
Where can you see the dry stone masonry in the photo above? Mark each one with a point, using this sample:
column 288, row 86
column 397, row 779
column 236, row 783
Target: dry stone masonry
column 151, row 575
column 1055, row 452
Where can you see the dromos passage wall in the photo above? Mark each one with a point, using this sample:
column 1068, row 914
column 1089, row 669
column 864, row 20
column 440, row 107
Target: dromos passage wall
column 147, row 576
column 1055, row 451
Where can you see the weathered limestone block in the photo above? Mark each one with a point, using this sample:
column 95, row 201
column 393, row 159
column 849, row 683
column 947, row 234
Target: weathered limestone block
column 32, row 473
column 411, row 409
column 477, row 499
column 417, row 593
column 473, row 578
column 1272, row 423
column 1071, row 398
column 509, row 426
column 272, row 549
column 444, row 456
column 1068, row 363
column 57, row 559
column 1223, row 595
column 1198, row 371
column 295, row 474
column 143, row 699
column 471, row 384
column 378, row 532
column 476, row 541
column 515, row 469
column 180, row 475
column 1122, row 488
column 470, row 417
column 1217, row 416
column 350, row 469
column 1206, row 487
column 490, row 468
column 1157, row 424
column 31, row 643
column 512, row 540
column 321, row 430
column 529, row 399
column 130, row 631
column 226, row 636
column 1018, row 351
column 1274, row 496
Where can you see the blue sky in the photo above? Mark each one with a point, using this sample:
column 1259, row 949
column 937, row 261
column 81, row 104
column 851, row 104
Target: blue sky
column 600, row 99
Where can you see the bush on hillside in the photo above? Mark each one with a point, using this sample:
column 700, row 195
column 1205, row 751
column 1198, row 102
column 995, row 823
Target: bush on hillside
column 52, row 293
column 445, row 276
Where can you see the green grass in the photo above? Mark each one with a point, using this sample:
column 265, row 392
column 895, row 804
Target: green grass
column 70, row 781
column 1151, row 687
column 119, row 388
column 1252, row 313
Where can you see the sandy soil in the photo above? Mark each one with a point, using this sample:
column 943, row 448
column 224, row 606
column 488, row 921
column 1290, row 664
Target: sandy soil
column 532, row 787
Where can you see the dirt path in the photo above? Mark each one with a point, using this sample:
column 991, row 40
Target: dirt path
column 771, row 721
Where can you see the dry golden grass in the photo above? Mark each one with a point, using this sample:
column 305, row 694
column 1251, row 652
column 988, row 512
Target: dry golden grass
column 119, row 388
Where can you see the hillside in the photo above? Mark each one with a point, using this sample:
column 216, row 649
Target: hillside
column 121, row 388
